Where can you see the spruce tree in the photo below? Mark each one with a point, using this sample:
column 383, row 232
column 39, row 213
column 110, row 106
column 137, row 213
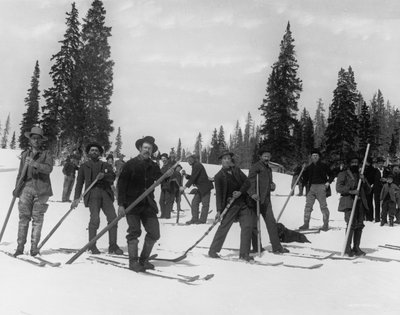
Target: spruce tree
column 183, row 157
column 13, row 144
column 365, row 132
column 307, row 134
column 31, row 117
column 198, row 146
column 341, row 131
column 118, row 144
column 279, row 107
column 6, row 131
column 393, row 147
column 98, row 79
column 319, row 125
column 179, row 150
column 214, row 150
column 221, row 139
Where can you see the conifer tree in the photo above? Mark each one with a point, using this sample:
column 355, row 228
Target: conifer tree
column 221, row 139
column 319, row 125
column 179, row 150
column 183, row 157
column 118, row 144
column 307, row 134
column 13, row 144
column 393, row 147
column 31, row 117
column 365, row 132
column 198, row 146
column 98, row 69
column 214, row 150
column 6, row 131
column 279, row 107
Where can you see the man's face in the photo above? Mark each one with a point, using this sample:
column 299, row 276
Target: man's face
column 94, row 153
column 190, row 160
column 146, row 150
column 315, row 157
column 35, row 141
column 164, row 160
column 354, row 164
column 380, row 164
column 396, row 169
column 266, row 157
column 226, row 161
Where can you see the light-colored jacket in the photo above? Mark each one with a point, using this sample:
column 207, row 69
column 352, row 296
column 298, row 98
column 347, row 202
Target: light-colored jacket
column 346, row 182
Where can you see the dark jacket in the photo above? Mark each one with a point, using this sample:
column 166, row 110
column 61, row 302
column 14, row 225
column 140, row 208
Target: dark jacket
column 221, row 186
column 199, row 178
column 69, row 169
column 393, row 191
column 85, row 176
column 318, row 173
column 137, row 175
column 345, row 182
column 266, row 184
column 40, row 172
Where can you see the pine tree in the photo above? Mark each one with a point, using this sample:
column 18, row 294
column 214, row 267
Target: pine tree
column 64, row 117
column 221, row 139
column 279, row 107
column 365, row 132
column 214, row 150
column 6, row 131
column 198, row 146
column 98, row 69
column 183, row 157
column 31, row 117
column 179, row 150
column 307, row 134
column 13, row 144
column 393, row 147
column 320, row 125
column 118, row 144
column 341, row 131
column 379, row 141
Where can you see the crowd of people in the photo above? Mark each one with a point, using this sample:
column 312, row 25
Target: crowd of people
column 238, row 197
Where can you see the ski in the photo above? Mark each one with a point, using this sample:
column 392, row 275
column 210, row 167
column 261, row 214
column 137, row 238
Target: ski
column 316, row 266
column 47, row 262
column 310, row 256
column 35, row 263
column 309, row 231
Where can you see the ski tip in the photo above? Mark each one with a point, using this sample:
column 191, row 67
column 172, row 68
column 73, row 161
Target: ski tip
column 209, row 276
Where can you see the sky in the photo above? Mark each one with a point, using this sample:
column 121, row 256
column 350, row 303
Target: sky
column 184, row 67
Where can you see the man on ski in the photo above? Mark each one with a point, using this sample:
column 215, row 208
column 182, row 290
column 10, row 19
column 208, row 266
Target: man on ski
column 200, row 179
column 167, row 190
column 317, row 176
column 136, row 177
column 100, row 196
column 346, row 185
column 266, row 185
column 35, row 191
column 231, row 182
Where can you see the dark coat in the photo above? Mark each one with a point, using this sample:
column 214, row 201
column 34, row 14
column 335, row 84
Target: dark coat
column 221, row 186
column 199, row 178
column 69, row 169
column 266, row 184
column 346, row 182
column 393, row 190
column 322, row 172
column 137, row 175
column 40, row 172
column 85, row 176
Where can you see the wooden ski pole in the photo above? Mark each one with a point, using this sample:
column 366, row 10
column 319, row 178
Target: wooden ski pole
column 355, row 202
column 66, row 214
column 120, row 216
column 17, row 186
column 178, row 204
column 258, row 216
column 290, row 194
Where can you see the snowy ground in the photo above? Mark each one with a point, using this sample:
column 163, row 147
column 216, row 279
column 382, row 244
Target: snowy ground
column 338, row 287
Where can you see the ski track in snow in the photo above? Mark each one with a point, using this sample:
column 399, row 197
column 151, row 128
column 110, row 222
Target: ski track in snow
column 338, row 287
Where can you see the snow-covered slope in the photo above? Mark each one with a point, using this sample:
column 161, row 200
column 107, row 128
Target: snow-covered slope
column 338, row 287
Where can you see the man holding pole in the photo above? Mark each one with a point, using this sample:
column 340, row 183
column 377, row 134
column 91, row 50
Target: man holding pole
column 35, row 190
column 230, row 182
column 263, row 172
column 136, row 177
column 346, row 185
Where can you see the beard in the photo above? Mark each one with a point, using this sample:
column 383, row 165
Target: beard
column 354, row 169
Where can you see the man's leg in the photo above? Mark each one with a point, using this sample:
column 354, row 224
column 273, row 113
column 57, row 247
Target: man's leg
column 195, row 208
column 310, row 199
column 134, row 232
column 377, row 200
column 169, row 204
column 272, row 229
column 94, row 223
column 246, row 220
column 109, row 211
column 152, row 228
column 39, row 209
column 321, row 197
column 162, row 203
column 205, row 202
column 25, row 206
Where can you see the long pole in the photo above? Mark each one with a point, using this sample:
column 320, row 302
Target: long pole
column 355, row 202
column 290, row 194
column 18, row 185
column 66, row 214
column 258, row 216
column 120, row 216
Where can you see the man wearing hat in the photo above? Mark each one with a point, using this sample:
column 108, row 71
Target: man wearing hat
column 136, row 177
column 35, row 191
column 266, row 185
column 346, row 185
column 378, row 182
column 231, row 182
column 199, row 178
column 167, row 190
column 317, row 177
column 69, row 169
column 100, row 195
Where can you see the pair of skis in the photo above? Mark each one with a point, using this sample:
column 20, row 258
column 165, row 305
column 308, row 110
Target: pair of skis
column 36, row 260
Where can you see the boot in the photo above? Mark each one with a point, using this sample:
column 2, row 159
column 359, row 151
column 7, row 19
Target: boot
column 305, row 226
column 93, row 249
column 246, row 257
column 356, row 243
column 281, row 250
column 21, row 238
column 34, row 250
column 325, row 218
column 38, row 211
column 325, row 227
column 134, row 256
column 145, row 254
column 213, row 255
column 348, row 251
column 114, row 249
column 19, row 251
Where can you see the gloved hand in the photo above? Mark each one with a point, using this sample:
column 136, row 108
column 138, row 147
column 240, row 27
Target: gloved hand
column 121, row 211
column 75, row 203
column 273, row 186
column 100, row 176
column 255, row 197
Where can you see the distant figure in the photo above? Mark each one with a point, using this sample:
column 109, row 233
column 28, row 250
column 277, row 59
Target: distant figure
column 390, row 195
column 110, row 160
column 379, row 180
column 69, row 170
column 200, row 179
column 296, row 174
column 35, row 191
column 167, row 195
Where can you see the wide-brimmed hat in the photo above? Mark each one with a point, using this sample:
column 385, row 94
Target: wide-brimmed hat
column 193, row 156
column 35, row 131
column 264, row 149
column 147, row 139
column 225, row 152
column 94, row 144
column 110, row 156
column 164, row 155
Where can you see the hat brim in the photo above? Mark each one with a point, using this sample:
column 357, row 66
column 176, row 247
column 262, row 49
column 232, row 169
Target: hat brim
column 94, row 145
column 227, row 153
column 28, row 135
column 140, row 142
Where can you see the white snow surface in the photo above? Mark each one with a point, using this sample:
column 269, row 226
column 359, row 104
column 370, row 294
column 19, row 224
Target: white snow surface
column 84, row 287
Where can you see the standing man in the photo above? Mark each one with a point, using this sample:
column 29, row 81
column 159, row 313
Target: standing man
column 35, row 191
column 167, row 190
column 379, row 180
column 137, row 176
column 100, row 195
column 230, row 182
column 266, row 185
column 199, row 178
column 346, row 185
column 370, row 173
column 317, row 176
column 69, row 170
